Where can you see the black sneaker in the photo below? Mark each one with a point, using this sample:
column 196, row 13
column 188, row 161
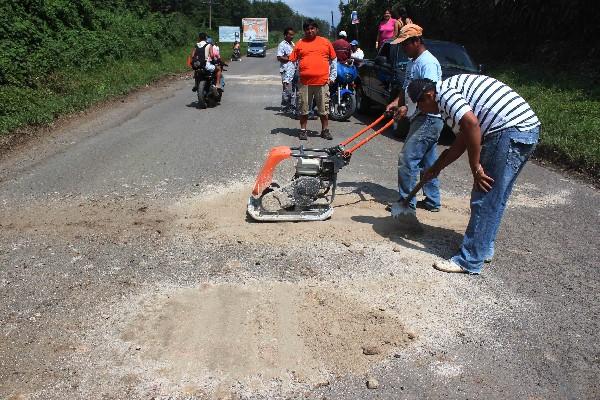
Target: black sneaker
column 302, row 135
column 426, row 206
column 195, row 89
column 325, row 134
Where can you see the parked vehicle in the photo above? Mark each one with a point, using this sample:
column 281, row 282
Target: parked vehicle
column 208, row 95
column 342, row 103
column 257, row 49
column 382, row 78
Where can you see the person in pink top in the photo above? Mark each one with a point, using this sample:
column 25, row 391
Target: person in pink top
column 388, row 28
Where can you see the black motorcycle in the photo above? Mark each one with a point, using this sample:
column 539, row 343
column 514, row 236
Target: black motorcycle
column 208, row 94
column 236, row 55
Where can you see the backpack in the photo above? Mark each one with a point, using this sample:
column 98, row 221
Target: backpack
column 199, row 58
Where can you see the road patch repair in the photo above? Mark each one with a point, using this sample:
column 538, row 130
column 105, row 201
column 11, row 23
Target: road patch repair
column 303, row 305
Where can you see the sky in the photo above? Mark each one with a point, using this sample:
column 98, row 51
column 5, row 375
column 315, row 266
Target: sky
column 317, row 8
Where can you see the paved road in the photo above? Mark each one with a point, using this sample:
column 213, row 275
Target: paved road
column 128, row 269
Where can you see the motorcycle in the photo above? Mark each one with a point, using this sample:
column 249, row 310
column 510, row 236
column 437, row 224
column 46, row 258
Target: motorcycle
column 236, row 55
column 342, row 103
column 208, row 94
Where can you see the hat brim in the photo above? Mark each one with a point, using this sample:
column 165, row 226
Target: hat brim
column 402, row 39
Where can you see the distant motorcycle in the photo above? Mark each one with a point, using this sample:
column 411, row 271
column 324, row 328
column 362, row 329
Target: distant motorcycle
column 236, row 55
column 342, row 103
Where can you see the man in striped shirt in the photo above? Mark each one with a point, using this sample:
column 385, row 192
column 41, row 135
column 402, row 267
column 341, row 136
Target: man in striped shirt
column 499, row 131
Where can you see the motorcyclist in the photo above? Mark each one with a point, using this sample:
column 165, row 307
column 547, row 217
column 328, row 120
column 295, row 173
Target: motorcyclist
column 235, row 56
column 218, row 63
column 342, row 47
column 203, row 45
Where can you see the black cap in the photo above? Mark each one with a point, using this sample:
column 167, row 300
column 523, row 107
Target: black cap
column 417, row 87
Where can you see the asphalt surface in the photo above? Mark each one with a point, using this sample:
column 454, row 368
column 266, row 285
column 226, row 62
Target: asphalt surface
column 91, row 222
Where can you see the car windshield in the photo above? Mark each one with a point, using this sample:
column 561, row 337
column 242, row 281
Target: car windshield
column 448, row 54
column 255, row 45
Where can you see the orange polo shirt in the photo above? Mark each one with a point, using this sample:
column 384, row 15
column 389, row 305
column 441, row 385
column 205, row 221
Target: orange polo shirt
column 313, row 56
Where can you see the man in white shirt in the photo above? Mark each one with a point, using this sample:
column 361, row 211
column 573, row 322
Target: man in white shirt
column 286, row 68
column 357, row 53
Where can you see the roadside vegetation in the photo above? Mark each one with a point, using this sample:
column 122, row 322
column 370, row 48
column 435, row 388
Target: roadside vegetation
column 568, row 106
column 62, row 56
column 529, row 45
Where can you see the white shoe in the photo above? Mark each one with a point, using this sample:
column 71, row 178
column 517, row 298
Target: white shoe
column 448, row 266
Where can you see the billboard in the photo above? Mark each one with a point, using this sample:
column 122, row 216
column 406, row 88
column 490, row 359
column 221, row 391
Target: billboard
column 229, row 34
column 255, row 29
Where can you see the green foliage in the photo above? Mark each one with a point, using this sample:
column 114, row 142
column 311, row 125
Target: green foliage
column 569, row 108
column 521, row 30
column 41, row 37
column 73, row 89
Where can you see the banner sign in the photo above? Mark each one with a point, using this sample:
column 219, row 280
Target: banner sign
column 255, row 29
column 354, row 17
column 229, row 34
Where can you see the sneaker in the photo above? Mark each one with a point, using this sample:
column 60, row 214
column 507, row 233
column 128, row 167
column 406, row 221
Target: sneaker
column 426, row 206
column 195, row 89
column 325, row 134
column 302, row 135
column 488, row 260
column 448, row 266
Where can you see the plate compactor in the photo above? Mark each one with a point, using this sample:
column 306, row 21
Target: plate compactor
column 308, row 197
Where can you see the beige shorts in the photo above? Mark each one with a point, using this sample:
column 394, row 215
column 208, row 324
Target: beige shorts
column 321, row 95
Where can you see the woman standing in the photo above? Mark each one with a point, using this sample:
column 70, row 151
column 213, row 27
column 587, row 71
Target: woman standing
column 388, row 28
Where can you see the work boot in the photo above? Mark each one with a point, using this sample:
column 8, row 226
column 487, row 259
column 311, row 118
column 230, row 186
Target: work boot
column 325, row 134
column 302, row 135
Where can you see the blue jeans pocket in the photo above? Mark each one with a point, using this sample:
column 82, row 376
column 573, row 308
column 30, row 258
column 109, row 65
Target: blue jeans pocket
column 519, row 153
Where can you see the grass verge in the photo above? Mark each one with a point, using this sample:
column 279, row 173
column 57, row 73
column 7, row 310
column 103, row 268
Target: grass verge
column 70, row 90
column 568, row 104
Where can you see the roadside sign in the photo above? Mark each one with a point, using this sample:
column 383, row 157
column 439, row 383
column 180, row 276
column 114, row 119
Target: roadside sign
column 255, row 29
column 354, row 17
column 229, row 34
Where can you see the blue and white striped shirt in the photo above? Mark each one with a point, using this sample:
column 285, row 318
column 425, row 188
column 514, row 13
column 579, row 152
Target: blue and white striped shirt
column 495, row 104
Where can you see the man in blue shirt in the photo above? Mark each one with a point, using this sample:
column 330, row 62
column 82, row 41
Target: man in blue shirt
column 419, row 151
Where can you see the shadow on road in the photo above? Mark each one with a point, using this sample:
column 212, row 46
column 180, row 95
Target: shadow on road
column 409, row 233
column 380, row 194
column 415, row 235
column 293, row 132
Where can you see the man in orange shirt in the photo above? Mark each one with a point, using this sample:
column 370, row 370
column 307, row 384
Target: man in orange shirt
column 317, row 66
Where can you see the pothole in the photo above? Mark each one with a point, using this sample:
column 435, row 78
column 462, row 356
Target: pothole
column 219, row 336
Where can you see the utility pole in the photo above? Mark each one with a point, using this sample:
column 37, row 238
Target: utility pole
column 332, row 28
column 210, row 4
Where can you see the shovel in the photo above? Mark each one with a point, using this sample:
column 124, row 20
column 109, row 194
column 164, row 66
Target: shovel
column 402, row 209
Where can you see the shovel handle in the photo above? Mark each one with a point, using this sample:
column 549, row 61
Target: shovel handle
column 420, row 184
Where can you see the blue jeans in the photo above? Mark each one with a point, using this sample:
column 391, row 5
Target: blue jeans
column 503, row 156
column 419, row 153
